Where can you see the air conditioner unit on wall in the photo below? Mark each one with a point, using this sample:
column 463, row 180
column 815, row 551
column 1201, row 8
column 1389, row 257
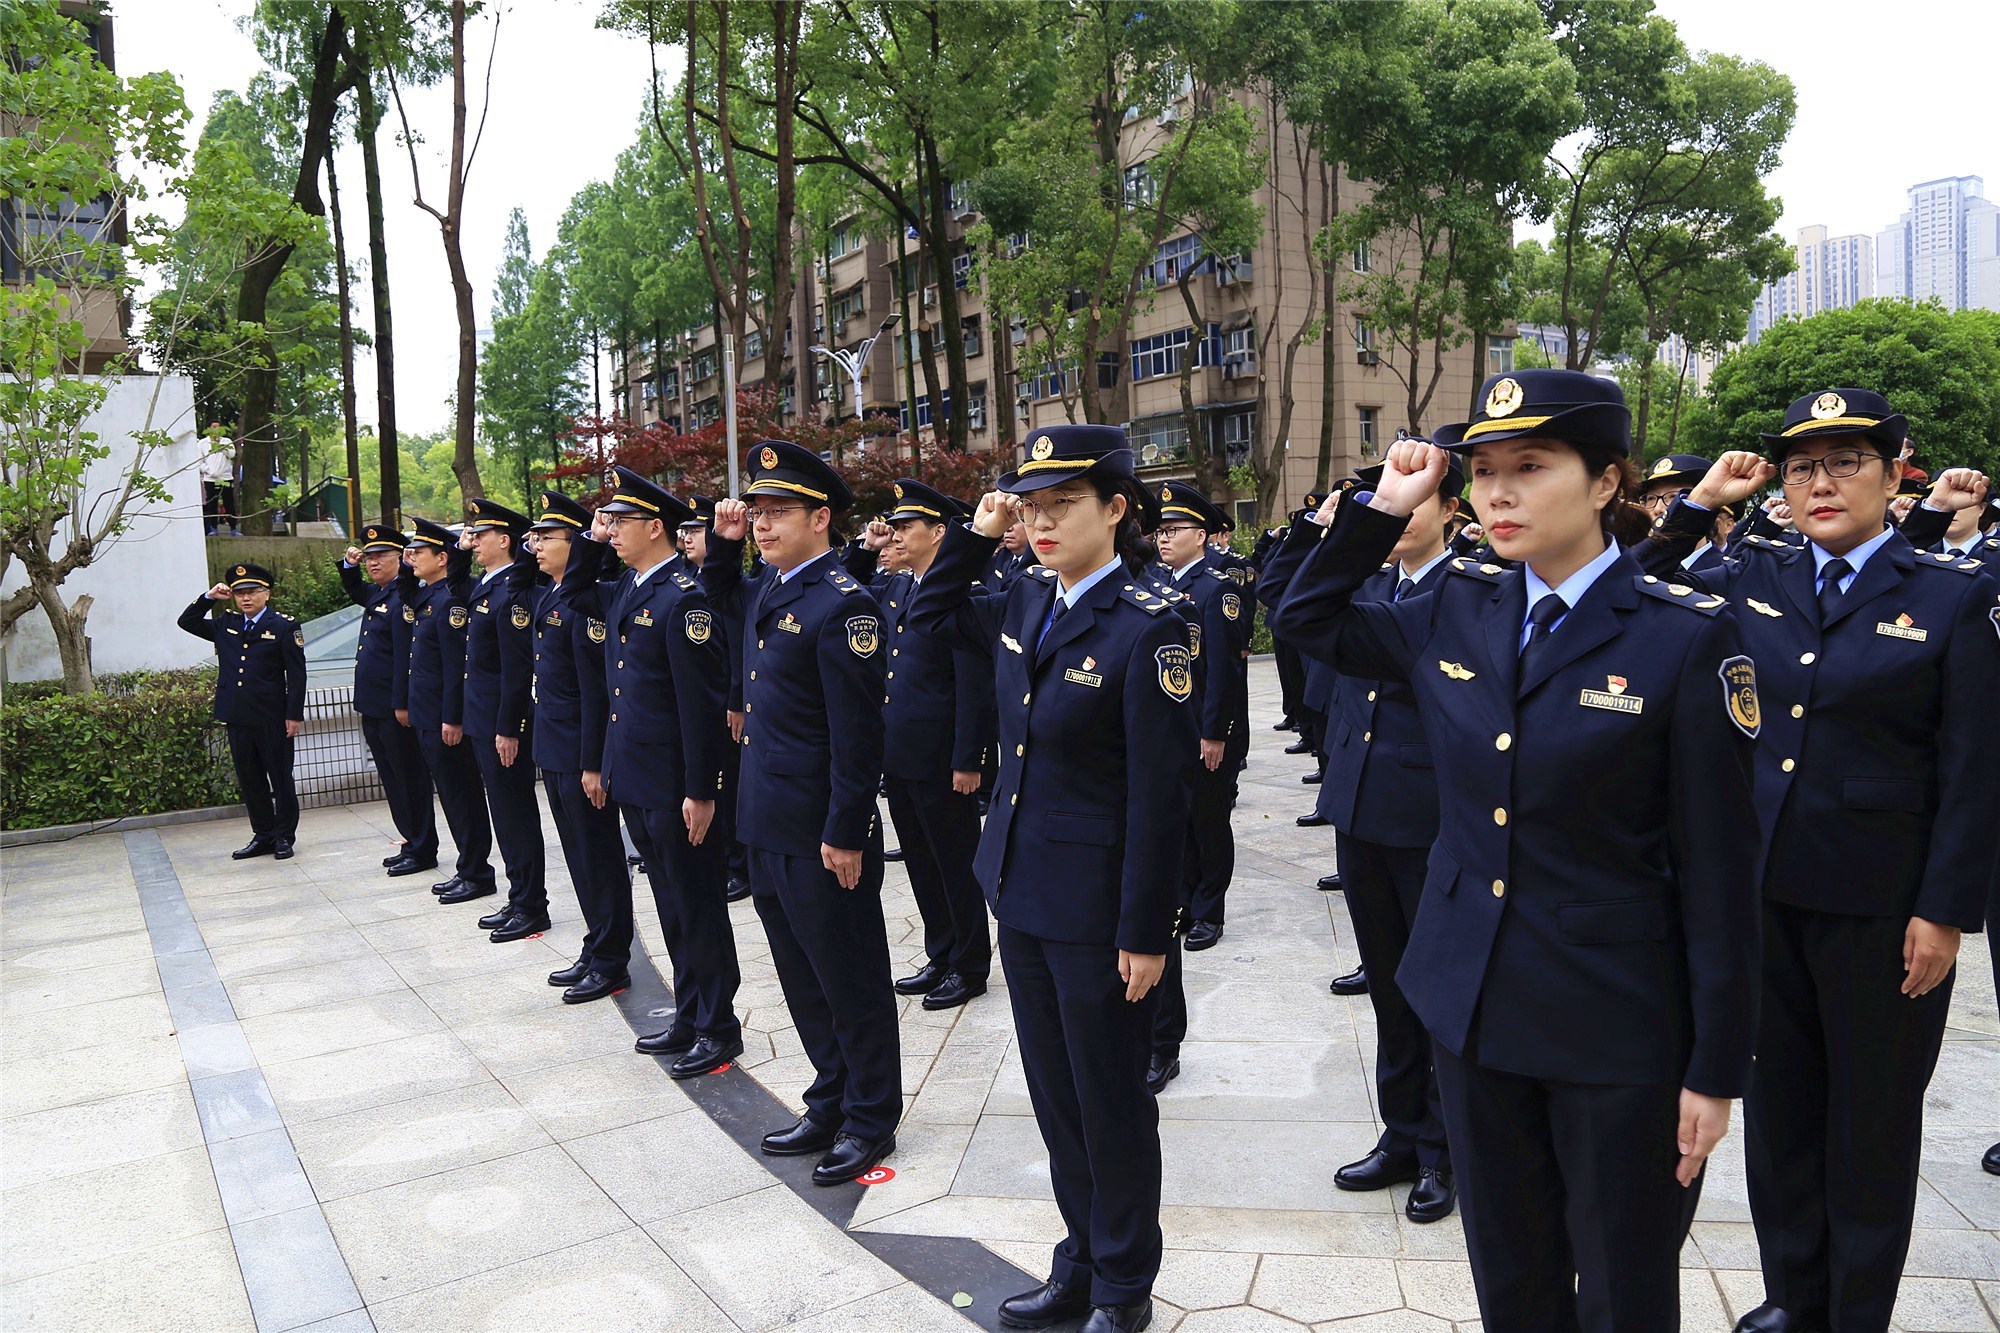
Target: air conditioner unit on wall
column 1367, row 356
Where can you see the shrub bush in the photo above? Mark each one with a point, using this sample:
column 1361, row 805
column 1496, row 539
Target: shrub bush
column 149, row 743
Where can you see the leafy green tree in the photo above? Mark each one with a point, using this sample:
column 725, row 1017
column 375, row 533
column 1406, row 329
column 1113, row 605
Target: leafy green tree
column 1939, row 368
column 527, row 374
column 78, row 138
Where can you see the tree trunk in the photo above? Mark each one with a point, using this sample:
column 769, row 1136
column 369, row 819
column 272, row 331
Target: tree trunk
column 347, row 408
column 370, row 122
column 464, row 459
column 935, row 226
column 1199, row 453
column 785, row 19
column 1329, row 357
column 66, row 623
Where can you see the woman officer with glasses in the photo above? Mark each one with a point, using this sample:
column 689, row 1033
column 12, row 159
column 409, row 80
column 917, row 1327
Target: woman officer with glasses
column 1876, row 781
column 1081, row 855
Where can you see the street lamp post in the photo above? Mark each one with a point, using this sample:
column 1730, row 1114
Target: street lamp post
column 853, row 362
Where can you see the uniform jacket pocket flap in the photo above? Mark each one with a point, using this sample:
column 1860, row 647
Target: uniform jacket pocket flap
column 1882, row 794
column 1093, row 829
column 1442, row 873
column 798, row 764
column 1618, row 922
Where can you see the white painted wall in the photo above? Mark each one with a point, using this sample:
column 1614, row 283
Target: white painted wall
column 144, row 578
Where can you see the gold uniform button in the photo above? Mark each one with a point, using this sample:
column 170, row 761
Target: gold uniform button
column 892, row 676
column 1500, row 817
column 749, row 708
column 1024, row 698
column 1503, row 741
column 1020, row 750
column 621, row 664
column 614, row 717
column 621, row 638
column 1015, row 799
column 1806, row 659
column 899, row 628
column 753, row 675
column 760, row 643
column 895, row 652
column 1371, row 696
column 1798, row 710
column 1788, row 765
column 616, row 693
column 1499, row 888
column 1367, row 736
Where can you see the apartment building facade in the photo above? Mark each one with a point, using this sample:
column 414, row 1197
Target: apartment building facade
column 1250, row 305
column 1946, row 246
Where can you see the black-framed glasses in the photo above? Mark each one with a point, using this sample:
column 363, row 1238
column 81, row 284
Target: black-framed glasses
column 772, row 513
column 1840, row 463
column 1175, row 530
column 1663, row 499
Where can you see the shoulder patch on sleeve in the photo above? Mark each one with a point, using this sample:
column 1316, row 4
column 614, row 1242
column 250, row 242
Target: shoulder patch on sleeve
column 1680, row 594
column 519, row 616
column 1473, row 567
column 864, row 635
column 1739, row 695
column 1150, row 600
column 460, row 617
column 1946, row 560
column 299, row 637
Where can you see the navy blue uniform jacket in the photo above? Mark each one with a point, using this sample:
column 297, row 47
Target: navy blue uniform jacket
column 376, row 659
column 436, row 696
column 1088, row 820
column 570, row 689
column 1878, row 773
column 937, row 713
column 499, row 652
column 814, row 669
column 260, row 675
column 1590, row 913
column 1215, row 612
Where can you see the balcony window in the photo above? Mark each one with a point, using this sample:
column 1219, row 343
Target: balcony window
column 961, row 271
column 974, row 344
column 1368, row 421
column 1160, row 440
column 1141, row 190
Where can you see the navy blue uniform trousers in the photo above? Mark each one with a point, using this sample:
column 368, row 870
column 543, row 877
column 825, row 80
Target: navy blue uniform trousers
column 455, row 772
column 595, row 855
column 406, row 783
column 689, row 894
column 262, row 753
column 831, row 952
column 517, row 823
column 1084, row 1047
column 1383, row 886
column 939, row 830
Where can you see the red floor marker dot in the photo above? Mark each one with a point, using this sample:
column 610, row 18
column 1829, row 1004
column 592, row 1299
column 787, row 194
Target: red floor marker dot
column 881, row 1175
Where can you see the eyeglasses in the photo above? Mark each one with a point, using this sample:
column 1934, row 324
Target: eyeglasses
column 1663, row 499
column 1034, row 511
column 1844, row 463
column 619, row 520
column 1175, row 531
column 771, row 513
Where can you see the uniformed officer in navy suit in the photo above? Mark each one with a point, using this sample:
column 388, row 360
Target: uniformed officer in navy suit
column 381, row 654
column 1585, row 949
column 499, row 711
column 937, row 737
column 1381, row 794
column 665, row 738
column 571, row 700
column 1013, row 559
column 1668, row 480
column 432, row 699
column 1082, row 851
column 260, row 698
column 1876, row 779
column 694, row 549
column 815, row 676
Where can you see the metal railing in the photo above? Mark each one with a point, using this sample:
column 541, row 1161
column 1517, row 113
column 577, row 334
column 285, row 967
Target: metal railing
column 330, row 760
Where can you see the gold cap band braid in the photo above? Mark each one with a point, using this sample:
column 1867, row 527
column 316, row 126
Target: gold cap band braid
column 1183, row 509
column 620, row 497
column 422, row 540
column 913, row 510
column 1503, row 423
column 248, row 583
column 757, row 487
column 552, row 517
column 1067, row 464
column 1831, row 423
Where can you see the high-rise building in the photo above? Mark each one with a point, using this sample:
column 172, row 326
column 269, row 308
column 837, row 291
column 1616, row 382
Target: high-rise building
column 1945, row 246
column 1832, row 274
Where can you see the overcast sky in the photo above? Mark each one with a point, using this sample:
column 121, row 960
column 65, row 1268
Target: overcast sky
column 1890, row 94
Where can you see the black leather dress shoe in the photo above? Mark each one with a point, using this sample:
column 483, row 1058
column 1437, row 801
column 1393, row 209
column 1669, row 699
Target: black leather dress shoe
column 850, row 1157
column 1769, row 1318
column 893, row 854
column 1354, row 983
column 924, row 980
column 1329, row 883
column 1313, row 779
column 518, row 927
column 1377, row 1171
column 465, row 893
column 739, row 889
column 1203, row 935
column 1160, row 1071
column 447, row 886
column 672, row 1041
column 570, row 975
column 707, row 1055
column 803, row 1139
column 282, row 849
column 595, row 986
column 1299, row 747
column 1050, row 1303
column 1433, row 1198
column 1286, row 724
column 953, row 991
column 495, row 920
column 1992, row 1160
column 401, row 853
column 1313, row 820
column 257, row 846
column 410, row 866
column 1119, row 1318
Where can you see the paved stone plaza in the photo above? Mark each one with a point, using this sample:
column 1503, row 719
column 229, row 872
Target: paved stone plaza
column 300, row 1095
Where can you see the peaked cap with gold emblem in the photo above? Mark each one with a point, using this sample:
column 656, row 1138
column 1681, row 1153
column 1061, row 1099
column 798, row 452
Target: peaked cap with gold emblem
column 1839, row 412
column 634, row 494
column 1180, row 500
column 381, row 537
column 248, row 576
column 1056, row 454
column 779, row 468
column 561, row 514
column 1546, row 404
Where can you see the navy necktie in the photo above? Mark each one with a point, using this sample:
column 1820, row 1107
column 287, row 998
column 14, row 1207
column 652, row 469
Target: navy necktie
column 1541, row 624
column 1831, row 574
column 1405, row 588
column 1055, row 614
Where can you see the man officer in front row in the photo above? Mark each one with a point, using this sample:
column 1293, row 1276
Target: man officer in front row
column 260, row 696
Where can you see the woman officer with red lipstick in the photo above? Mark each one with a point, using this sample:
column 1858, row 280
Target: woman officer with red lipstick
column 1877, row 776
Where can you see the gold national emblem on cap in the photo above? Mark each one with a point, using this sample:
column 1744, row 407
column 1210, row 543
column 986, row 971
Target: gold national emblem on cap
column 1504, row 399
column 1827, row 406
column 898, row 489
column 768, row 459
column 241, row 571
column 1166, row 492
column 1663, row 467
column 1041, row 448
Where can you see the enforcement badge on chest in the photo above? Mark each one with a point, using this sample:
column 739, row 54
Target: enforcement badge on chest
column 1612, row 698
column 643, row 618
column 553, row 620
column 482, row 608
column 520, row 617
column 1176, row 672
column 1902, row 627
column 459, row 617
column 864, row 635
column 1084, row 675
column 267, row 635
column 699, row 625
column 790, row 624
column 1739, row 689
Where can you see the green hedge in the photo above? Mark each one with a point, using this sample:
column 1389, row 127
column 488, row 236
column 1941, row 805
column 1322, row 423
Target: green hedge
column 147, row 744
column 306, row 569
